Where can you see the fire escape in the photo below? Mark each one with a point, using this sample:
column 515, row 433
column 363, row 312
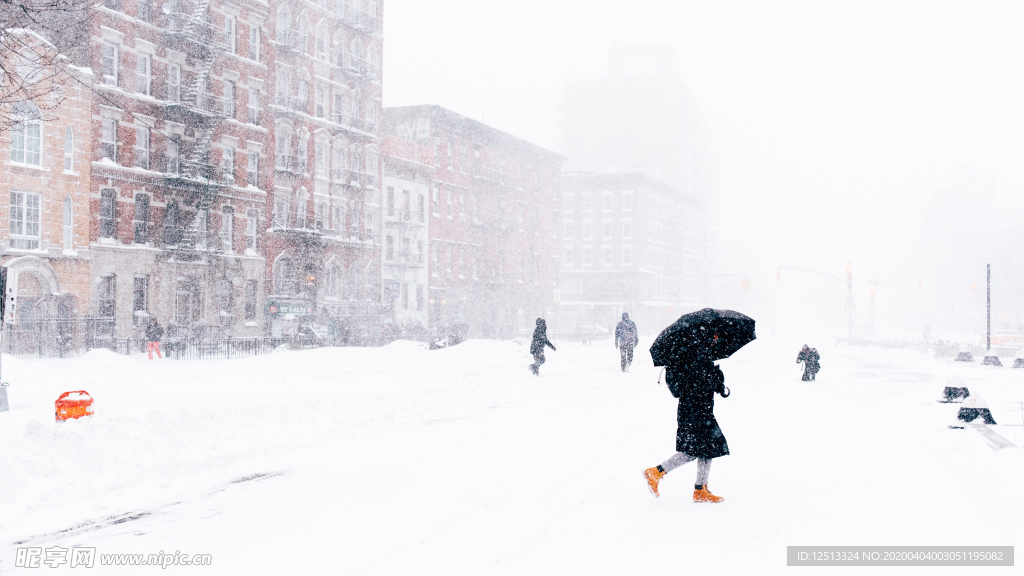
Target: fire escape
column 197, row 181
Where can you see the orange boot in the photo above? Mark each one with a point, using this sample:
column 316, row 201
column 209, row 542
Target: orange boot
column 702, row 494
column 653, row 476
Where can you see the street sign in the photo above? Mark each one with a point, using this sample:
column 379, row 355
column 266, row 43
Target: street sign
column 274, row 308
column 391, row 287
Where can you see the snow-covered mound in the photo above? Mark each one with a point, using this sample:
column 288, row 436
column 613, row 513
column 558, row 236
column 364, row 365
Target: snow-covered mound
column 403, row 460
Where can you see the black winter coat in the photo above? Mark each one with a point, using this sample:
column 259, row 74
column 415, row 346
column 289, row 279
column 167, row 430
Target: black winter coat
column 540, row 339
column 154, row 332
column 695, row 385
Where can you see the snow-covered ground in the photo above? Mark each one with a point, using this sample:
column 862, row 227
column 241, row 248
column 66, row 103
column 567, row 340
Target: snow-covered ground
column 400, row 460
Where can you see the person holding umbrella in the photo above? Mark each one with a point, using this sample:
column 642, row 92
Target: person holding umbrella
column 540, row 339
column 688, row 350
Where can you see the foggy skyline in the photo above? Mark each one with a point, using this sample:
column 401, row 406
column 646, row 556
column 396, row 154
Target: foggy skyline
column 867, row 108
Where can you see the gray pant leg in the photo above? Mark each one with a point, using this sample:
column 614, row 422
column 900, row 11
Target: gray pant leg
column 675, row 461
column 703, row 469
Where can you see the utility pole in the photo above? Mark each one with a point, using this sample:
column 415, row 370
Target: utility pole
column 988, row 307
column 849, row 297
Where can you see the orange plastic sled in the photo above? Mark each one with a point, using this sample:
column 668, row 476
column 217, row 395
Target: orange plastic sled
column 73, row 405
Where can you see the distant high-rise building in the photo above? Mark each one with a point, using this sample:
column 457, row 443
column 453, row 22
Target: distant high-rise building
column 641, row 118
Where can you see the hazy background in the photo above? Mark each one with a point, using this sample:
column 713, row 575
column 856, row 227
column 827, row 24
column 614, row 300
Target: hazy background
column 835, row 123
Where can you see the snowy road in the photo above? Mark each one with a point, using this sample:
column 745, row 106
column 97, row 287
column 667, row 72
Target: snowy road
column 404, row 461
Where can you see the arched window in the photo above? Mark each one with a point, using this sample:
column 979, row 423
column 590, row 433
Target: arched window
column 69, row 149
column 300, row 41
column 338, row 49
column 68, row 223
column 26, row 134
column 302, row 208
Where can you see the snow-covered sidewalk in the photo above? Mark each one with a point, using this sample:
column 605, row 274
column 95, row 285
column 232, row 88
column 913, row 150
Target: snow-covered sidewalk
column 400, row 460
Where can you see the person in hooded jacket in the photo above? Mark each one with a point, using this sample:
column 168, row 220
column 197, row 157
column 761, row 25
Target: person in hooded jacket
column 153, row 333
column 625, row 340
column 540, row 340
column 698, row 437
column 809, row 356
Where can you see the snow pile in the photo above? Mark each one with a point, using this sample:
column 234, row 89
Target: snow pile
column 458, row 460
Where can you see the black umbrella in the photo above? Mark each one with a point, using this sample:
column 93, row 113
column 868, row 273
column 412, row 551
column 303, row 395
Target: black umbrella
column 694, row 334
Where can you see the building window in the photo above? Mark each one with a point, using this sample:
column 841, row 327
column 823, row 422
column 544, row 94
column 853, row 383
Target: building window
column 449, row 254
column 321, row 102
column 142, row 147
column 107, row 295
column 227, row 164
column 627, row 201
column 251, row 219
column 389, row 252
column 145, row 11
column 67, row 236
column 202, row 226
column 568, row 230
column 568, row 257
column 435, row 200
column 421, row 207
column 229, row 32
column 141, row 222
column 433, row 258
column 606, row 230
column 607, row 201
column 405, row 296
column 227, row 302
column 227, row 229
column 229, row 99
column 254, row 43
column 252, row 169
column 108, row 139
column 587, row 260
column 462, row 261
column 587, row 229
column 320, row 156
column 587, row 202
column 607, row 255
column 110, row 64
column 451, row 154
column 172, row 156
column 173, row 83
column 419, row 297
column 69, row 149
column 627, row 229
column 26, row 134
column 25, row 220
column 449, row 195
column 462, row 204
column 143, row 73
column 627, row 256
column 254, row 107
column 390, row 201
column 567, row 202
column 140, row 300
column 108, row 213
column 251, row 293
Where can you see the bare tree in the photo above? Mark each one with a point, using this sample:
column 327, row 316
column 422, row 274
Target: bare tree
column 31, row 67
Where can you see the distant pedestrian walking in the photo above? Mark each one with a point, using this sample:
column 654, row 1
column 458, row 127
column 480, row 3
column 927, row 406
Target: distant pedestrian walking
column 153, row 333
column 698, row 436
column 540, row 340
column 809, row 356
column 625, row 340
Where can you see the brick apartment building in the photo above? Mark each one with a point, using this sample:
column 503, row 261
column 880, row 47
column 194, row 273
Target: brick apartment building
column 227, row 180
column 45, row 175
column 408, row 168
column 493, row 221
column 324, row 240
column 630, row 243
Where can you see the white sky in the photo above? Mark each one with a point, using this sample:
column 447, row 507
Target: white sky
column 834, row 121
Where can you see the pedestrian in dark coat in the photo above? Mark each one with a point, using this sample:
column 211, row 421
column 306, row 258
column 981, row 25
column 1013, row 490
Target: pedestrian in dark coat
column 698, row 436
column 153, row 333
column 625, row 340
column 809, row 356
column 540, row 340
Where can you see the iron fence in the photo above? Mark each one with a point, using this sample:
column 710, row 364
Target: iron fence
column 73, row 337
